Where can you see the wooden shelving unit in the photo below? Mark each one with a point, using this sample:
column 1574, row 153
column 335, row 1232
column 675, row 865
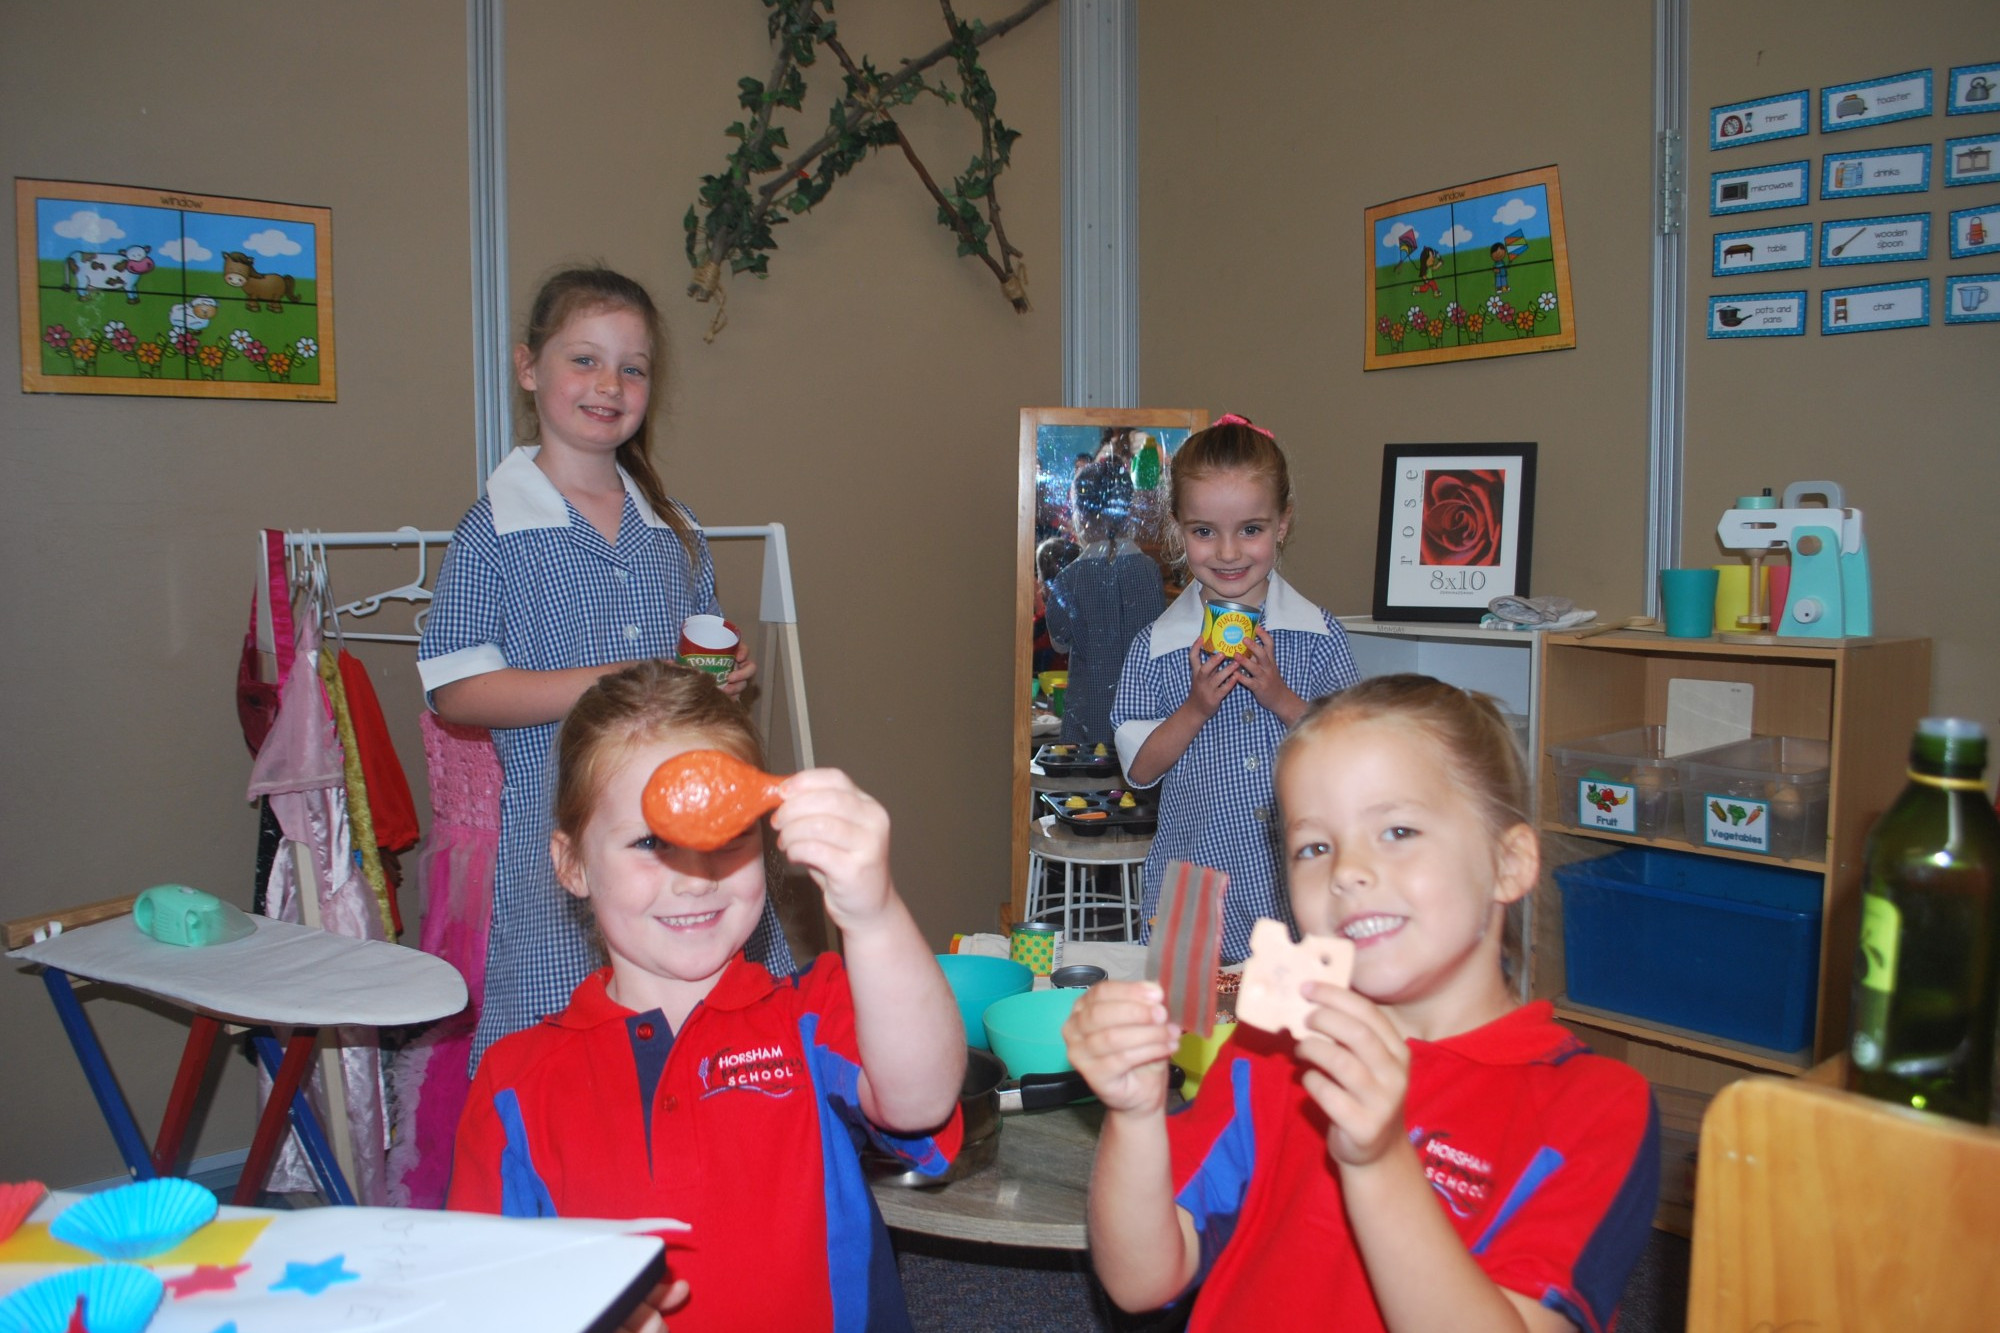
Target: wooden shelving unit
column 1862, row 696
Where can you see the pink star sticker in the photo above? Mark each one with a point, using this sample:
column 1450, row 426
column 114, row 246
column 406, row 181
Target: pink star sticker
column 206, row 1277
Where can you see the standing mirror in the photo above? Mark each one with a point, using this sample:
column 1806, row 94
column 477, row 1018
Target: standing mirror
column 1092, row 480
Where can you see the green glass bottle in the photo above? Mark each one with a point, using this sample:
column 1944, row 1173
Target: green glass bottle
column 1924, row 992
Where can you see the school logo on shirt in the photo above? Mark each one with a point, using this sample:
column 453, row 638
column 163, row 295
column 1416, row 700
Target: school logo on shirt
column 1462, row 1179
column 771, row 1070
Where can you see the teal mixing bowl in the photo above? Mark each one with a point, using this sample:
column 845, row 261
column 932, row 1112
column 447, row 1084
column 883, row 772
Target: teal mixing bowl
column 978, row 981
column 1026, row 1031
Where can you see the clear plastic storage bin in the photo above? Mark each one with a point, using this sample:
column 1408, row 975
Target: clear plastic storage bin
column 1766, row 794
column 1724, row 947
column 1619, row 782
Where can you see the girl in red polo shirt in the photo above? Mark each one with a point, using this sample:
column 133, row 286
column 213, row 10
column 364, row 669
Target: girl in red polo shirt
column 1434, row 1155
column 683, row 1080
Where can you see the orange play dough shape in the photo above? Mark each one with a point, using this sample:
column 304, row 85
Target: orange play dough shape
column 704, row 799
column 1273, row 976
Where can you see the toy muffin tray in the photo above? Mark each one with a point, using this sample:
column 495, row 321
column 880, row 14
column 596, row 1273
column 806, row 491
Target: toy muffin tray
column 1071, row 761
column 1100, row 812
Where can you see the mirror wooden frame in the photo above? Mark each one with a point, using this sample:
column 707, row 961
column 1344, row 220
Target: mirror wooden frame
column 1033, row 419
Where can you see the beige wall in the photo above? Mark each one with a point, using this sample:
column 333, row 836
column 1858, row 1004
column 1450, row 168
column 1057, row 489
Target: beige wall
column 1902, row 419
column 1262, row 142
column 866, row 396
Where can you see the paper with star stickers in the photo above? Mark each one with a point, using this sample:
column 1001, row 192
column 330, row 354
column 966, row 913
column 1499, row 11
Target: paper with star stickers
column 320, row 1270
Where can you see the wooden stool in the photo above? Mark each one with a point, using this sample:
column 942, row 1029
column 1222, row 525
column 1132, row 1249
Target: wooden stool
column 1100, row 887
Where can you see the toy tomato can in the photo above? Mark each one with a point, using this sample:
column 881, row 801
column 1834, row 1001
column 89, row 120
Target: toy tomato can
column 708, row 643
column 1036, row 946
column 1229, row 627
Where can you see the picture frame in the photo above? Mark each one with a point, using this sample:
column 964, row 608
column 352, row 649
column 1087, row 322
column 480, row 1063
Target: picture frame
column 1474, row 271
column 129, row 290
column 1456, row 529
column 1051, row 438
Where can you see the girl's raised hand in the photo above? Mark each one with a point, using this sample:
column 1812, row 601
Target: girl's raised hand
column 1257, row 668
column 840, row 835
column 661, row 1300
column 739, row 675
column 1360, row 1071
column 1119, row 1039
column 1209, row 682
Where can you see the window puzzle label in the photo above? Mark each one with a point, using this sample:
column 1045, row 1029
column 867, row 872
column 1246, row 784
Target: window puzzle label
column 1757, row 315
column 1905, row 170
column 1892, row 305
column 1875, row 240
column 1849, row 106
column 1785, row 185
column 1782, row 117
column 1607, row 805
column 1762, row 250
column 1731, row 821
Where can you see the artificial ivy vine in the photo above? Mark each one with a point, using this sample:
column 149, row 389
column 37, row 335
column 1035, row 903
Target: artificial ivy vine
column 732, row 223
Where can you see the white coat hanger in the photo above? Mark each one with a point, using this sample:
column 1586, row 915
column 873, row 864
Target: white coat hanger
column 413, row 591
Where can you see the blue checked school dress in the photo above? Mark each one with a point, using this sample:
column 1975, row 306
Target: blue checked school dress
column 527, row 582
column 1217, row 805
column 1097, row 606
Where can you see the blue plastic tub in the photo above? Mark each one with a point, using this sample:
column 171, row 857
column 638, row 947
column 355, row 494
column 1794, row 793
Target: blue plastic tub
column 1721, row 947
column 977, row 981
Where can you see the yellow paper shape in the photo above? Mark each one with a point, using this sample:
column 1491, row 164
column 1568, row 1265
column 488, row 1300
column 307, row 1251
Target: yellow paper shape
column 222, row 1242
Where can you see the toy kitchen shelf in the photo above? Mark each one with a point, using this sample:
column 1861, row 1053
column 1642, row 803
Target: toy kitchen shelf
column 1861, row 696
column 1506, row 664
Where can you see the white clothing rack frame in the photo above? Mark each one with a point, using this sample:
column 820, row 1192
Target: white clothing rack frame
column 783, row 671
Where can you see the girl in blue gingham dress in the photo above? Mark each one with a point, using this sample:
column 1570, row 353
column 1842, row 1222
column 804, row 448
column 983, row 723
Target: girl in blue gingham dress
column 574, row 563
column 1205, row 726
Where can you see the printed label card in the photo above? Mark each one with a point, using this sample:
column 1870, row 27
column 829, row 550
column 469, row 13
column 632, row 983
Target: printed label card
column 1757, row 315
column 1607, row 805
column 1875, row 240
column 1737, row 823
column 1974, row 160
column 1785, row 116
column 1849, row 106
column 1881, row 171
column 1786, row 185
column 1972, row 299
column 1763, row 250
column 1975, row 231
column 1888, row 305
column 1972, row 89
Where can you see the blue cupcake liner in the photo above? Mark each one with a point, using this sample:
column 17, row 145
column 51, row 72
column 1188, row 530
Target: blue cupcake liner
column 137, row 1220
column 117, row 1298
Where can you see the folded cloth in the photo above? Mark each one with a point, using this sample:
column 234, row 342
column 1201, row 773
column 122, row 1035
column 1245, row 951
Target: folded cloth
column 1569, row 621
column 1531, row 610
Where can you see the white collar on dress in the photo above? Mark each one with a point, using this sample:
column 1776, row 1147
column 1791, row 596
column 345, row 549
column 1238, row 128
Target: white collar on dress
column 1284, row 608
column 523, row 496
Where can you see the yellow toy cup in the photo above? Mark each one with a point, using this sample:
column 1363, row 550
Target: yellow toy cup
column 1197, row 1053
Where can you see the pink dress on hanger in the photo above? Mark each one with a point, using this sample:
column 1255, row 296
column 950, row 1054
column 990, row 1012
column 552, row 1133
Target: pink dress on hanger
column 454, row 872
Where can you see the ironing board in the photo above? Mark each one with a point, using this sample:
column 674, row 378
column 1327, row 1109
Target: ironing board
column 282, row 976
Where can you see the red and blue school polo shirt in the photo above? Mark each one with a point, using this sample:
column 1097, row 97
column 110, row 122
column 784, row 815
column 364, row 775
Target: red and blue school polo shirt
column 743, row 1124
column 1544, row 1157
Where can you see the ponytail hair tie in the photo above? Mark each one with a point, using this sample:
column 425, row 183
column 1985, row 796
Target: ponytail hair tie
column 1231, row 419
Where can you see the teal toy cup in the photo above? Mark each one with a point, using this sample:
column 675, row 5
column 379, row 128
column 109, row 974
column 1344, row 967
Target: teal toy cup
column 1687, row 602
column 976, row 982
column 1026, row 1031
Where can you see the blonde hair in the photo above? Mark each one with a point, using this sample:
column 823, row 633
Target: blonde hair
column 1481, row 756
column 647, row 701
column 570, row 292
column 1230, row 446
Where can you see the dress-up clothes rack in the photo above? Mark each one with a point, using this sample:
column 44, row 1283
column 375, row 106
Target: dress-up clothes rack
column 778, row 649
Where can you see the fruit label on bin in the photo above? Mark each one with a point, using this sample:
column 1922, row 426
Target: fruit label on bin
column 1732, row 821
column 1606, row 805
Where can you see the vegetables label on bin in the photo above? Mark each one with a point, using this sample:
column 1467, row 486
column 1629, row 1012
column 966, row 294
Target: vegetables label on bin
column 1606, row 805
column 1732, row 821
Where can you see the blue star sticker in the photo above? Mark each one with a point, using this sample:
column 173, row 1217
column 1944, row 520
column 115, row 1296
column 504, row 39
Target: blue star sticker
column 312, row 1279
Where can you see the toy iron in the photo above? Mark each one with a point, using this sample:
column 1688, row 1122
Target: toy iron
column 1830, row 595
column 177, row 914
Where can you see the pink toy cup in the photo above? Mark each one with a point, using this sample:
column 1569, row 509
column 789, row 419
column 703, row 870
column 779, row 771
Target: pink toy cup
column 708, row 643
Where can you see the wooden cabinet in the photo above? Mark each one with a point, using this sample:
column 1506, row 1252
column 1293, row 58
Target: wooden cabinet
column 1861, row 696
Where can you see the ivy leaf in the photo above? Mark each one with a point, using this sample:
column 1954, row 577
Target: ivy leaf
column 750, row 93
